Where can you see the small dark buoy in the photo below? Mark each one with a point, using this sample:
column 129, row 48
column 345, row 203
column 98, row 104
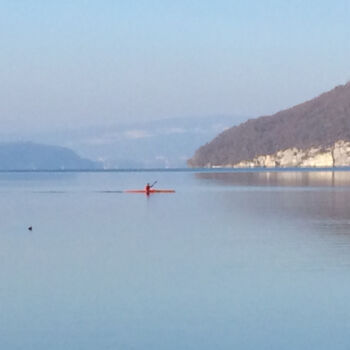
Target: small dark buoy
column 30, row 228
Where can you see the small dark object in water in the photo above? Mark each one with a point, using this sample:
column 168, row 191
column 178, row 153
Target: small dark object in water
column 30, row 228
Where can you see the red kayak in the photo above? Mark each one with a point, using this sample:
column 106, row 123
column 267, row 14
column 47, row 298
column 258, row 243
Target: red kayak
column 150, row 191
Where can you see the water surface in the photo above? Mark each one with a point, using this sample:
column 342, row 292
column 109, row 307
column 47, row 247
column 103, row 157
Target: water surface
column 257, row 260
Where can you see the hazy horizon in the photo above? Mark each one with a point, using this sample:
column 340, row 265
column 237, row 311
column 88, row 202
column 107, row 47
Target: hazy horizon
column 86, row 63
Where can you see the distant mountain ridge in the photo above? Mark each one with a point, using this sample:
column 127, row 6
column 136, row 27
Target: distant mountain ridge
column 34, row 156
column 318, row 123
column 166, row 143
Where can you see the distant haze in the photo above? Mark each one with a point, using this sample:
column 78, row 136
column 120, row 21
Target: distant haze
column 165, row 143
column 77, row 63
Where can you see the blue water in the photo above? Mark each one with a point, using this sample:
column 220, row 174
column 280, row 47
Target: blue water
column 257, row 260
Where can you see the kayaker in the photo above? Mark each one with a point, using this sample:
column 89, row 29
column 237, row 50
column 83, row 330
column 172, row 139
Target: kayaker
column 148, row 187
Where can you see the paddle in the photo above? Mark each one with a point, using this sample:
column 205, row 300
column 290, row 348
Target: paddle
column 153, row 183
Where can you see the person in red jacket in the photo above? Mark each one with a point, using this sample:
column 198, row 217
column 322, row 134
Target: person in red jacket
column 148, row 187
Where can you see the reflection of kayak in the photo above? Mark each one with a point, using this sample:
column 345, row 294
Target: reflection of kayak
column 150, row 191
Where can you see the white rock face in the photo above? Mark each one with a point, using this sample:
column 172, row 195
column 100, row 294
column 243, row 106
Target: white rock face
column 336, row 155
column 341, row 153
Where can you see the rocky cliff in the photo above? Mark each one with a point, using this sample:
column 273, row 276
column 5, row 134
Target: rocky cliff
column 313, row 134
column 337, row 155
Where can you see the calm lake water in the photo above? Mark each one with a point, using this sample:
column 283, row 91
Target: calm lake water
column 257, row 260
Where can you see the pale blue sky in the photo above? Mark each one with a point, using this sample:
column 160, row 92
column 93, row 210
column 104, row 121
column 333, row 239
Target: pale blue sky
column 94, row 62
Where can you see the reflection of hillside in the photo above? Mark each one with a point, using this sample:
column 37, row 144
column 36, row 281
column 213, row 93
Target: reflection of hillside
column 290, row 178
column 317, row 201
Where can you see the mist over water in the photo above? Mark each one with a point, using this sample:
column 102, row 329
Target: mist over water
column 256, row 260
